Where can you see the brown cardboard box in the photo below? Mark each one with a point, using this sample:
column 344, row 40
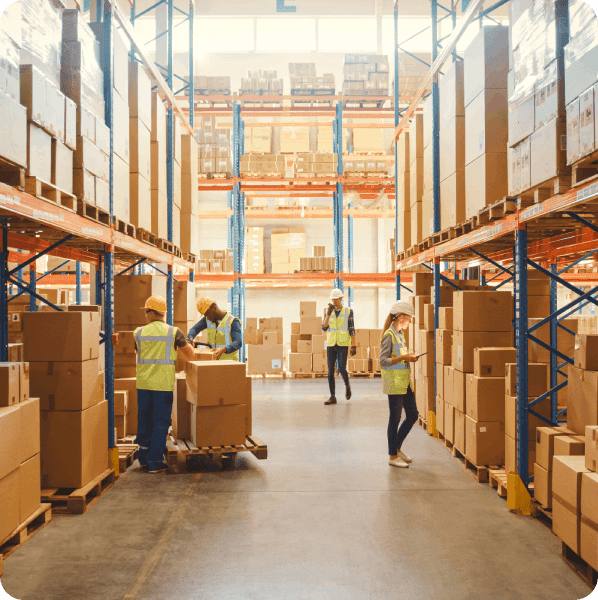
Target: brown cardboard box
column 311, row 325
column 538, row 306
column 586, row 352
column 565, row 344
column 588, row 541
column 10, row 426
column 129, row 384
column 10, row 487
column 307, row 309
column 120, row 402
column 29, row 429
column 537, row 379
column 542, row 486
column 216, row 383
column 427, row 361
column 362, row 338
column 304, row 346
column 270, row 338
column 460, row 442
column 67, row 385
column 589, row 496
column 300, row 363
column 545, row 437
column 422, row 283
column 445, row 317
column 582, row 396
column 448, row 385
column 130, row 294
column 181, row 411
column 440, row 381
column 440, row 415
column 184, row 307
column 420, row 302
column 459, row 391
column 444, row 346
column 120, row 424
column 319, row 363
column 485, row 398
column 490, row 362
column 449, row 422
column 30, row 487
column 9, row 384
column 569, row 445
column 533, row 422
column 511, row 455
column 483, row 311
column 566, row 498
column 265, row 359
column 74, row 446
column 485, row 442
column 464, row 343
column 318, row 344
column 295, row 328
column 68, row 336
column 591, row 448
column 218, row 425
column 429, row 317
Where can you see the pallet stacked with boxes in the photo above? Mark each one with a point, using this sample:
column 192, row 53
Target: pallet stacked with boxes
column 305, row 82
column 427, row 217
column 316, row 164
column 265, row 346
column 189, row 196
column 365, row 75
column 211, row 86
column 260, row 82
column 537, row 153
column 260, row 165
column 308, row 348
column 215, row 261
column 318, row 263
column 588, row 536
column 287, row 249
column 416, row 177
column 403, row 234
column 444, row 360
column 367, row 357
column 158, row 181
column 214, row 155
column 254, row 250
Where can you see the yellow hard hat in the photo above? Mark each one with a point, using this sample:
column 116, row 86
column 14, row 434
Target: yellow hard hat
column 203, row 304
column 156, row 303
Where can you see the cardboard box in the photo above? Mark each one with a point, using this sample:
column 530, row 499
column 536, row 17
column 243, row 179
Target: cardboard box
column 67, row 385
column 545, row 437
column 591, row 448
column 589, row 496
column 537, row 379
column 184, row 307
column 460, row 441
column 130, row 294
column 422, row 283
column 486, row 182
column 464, row 344
column 74, row 446
column 68, row 336
column 9, row 384
column 542, row 486
column 120, row 402
column 569, row 445
column 10, row 488
column 486, row 124
column 29, row 443
column 491, row 362
column 300, row 363
column 459, row 398
column 311, row 325
column 307, row 309
column 582, row 396
column 445, row 317
column 319, row 363
column 218, row 425
column 362, row 338
column 428, row 360
column 565, row 341
column 429, row 317
column 484, row 442
column 264, row 359
column 318, row 344
column 586, row 352
column 511, row 455
column 30, row 487
column 448, row 384
column 444, row 346
column 270, row 338
column 485, row 398
column 449, row 422
column 533, row 421
column 216, row 383
column 483, row 311
column 588, row 542
column 129, row 384
column 304, row 346
column 440, row 415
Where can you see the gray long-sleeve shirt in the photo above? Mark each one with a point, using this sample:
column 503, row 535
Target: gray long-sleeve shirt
column 386, row 349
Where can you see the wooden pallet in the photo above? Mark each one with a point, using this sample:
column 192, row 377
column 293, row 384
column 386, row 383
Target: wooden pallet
column 443, row 236
column 496, row 211
column 177, row 252
column 178, row 451
column 123, row 227
column 553, row 187
column 128, row 440
column 541, row 513
column 480, row 473
column 422, row 423
column 26, row 530
column 47, row 191
column 12, row 174
column 227, row 175
column 127, row 453
column 311, row 101
column 189, row 257
column 268, row 375
column 145, row 236
column 580, row 566
column 498, row 480
column 165, row 245
column 347, row 103
column 364, row 375
column 307, row 375
column 76, row 502
column 93, row 212
column 585, row 169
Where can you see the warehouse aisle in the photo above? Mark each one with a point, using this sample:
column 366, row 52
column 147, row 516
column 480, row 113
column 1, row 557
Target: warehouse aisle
column 324, row 517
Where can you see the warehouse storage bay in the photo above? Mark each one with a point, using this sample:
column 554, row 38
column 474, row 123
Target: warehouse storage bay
column 298, row 299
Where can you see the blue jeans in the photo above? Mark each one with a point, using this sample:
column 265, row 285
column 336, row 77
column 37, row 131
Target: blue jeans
column 396, row 434
column 337, row 355
column 154, row 410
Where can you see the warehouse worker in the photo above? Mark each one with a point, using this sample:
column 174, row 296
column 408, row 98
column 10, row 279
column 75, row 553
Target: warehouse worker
column 224, row 330
column 341, row 335
column 156, row 345
column 396, row 378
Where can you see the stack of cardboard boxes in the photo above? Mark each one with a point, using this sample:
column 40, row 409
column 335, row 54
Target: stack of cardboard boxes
column 158, row 162
column 367, row 357
column 403, row 234
column 318, row 263
column 262, row 163
column 412, row 72
column 288, row 247
column 66, row 374
column 215, row 261
column 316, row 163
column 254, row 253
column 261, row 82
column 189, row 200
column 365, row 75
column 325, row 138
column 214, row 154
column 295, row 139
column 265, row 349
column 368, row 164
column 428, row 189
column 210, row 86
column 258, row 139
column 416, row 177
column 589, row 492
column 308, row 348
column 304, row 81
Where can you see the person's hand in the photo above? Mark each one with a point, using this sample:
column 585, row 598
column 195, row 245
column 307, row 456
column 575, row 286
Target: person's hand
column 409, row 358
column 330, row 309
column 353, row 350
column 218, row 353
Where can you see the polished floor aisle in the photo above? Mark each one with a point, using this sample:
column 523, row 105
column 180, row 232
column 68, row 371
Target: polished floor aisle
column 324, row 517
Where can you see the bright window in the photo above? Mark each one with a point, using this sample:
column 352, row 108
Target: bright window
column 222, row 35
column 347, row 35
column 286, row 35
column 407, row 28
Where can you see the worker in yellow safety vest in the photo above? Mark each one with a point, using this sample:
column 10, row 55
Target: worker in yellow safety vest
column 156, row 345
column 338, row 322
column 397, row 381
column 224, row 330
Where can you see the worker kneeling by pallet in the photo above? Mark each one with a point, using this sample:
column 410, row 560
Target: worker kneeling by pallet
column 220, row 396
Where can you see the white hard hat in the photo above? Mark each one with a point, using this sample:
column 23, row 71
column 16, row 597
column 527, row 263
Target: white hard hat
column 336, row 293
column 402, row 307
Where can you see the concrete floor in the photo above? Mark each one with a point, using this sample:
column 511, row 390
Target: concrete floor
column 324, row 517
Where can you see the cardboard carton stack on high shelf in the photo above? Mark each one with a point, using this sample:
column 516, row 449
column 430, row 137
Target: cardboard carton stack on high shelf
column 214, row 155
column 486, row 130
column 158, row 163
column 308, row 342
column 413, row 70
column 265, row 348
column 288, row 248
column 66, row 375
column 536, row 88
column 260, row 82
column 427, row 205
column 580, row 82
column 589, row 491
column 215, row 261
column 403, row 234
column 212, row 86
column 262, row 163
column 304, row 81
column 254, row 250
column 316, row 163
column 318, row 263
column 416, row 177
column 365, row 75
column 367, row 357
column 189, row 195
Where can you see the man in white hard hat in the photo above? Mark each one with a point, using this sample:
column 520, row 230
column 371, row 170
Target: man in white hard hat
column 338, row 322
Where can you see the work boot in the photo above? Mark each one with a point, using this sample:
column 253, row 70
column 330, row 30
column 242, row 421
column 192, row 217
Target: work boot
column 331, row 400
column 348, row 393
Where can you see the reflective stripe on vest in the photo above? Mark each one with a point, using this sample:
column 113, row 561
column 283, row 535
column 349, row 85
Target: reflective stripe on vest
column 338, row 328
column 156, row 356
column 168, row 358
column 397, row 377
column 222, row 330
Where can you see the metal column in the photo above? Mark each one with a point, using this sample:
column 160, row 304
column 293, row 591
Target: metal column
column 338, row 199
column 397, row 115
column 32, row 287
column 3, row 294
column 191, row 66
column 170, row 163
column 78, row 284
column 553, row 344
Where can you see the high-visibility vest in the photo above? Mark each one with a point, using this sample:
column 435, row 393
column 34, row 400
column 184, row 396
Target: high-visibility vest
column 396, row 378
column 221, row 336
column 156, row 356
column 338, row 328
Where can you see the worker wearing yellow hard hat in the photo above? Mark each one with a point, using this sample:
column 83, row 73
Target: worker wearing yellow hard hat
column 224, row 330
column 156, row 345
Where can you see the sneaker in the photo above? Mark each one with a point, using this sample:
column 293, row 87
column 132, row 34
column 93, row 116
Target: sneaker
column 331, row 400
column 348, row 393
column 397, row 462
column 161, row 469
column 404, row 457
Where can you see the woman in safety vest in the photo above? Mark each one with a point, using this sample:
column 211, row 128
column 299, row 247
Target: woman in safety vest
column 396, row 377
column 224, row 330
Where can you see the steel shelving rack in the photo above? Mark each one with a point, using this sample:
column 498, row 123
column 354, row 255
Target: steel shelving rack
column 552, row 237
column 40, row 227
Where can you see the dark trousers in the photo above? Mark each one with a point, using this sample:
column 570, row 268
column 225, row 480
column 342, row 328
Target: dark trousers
column 396, row 434
column 154, row 410
column 339, row 353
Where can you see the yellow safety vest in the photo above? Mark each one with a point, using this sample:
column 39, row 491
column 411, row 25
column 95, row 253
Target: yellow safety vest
column 156, row 356
column 338, row 328
column 396, row 378
column 221, row 336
